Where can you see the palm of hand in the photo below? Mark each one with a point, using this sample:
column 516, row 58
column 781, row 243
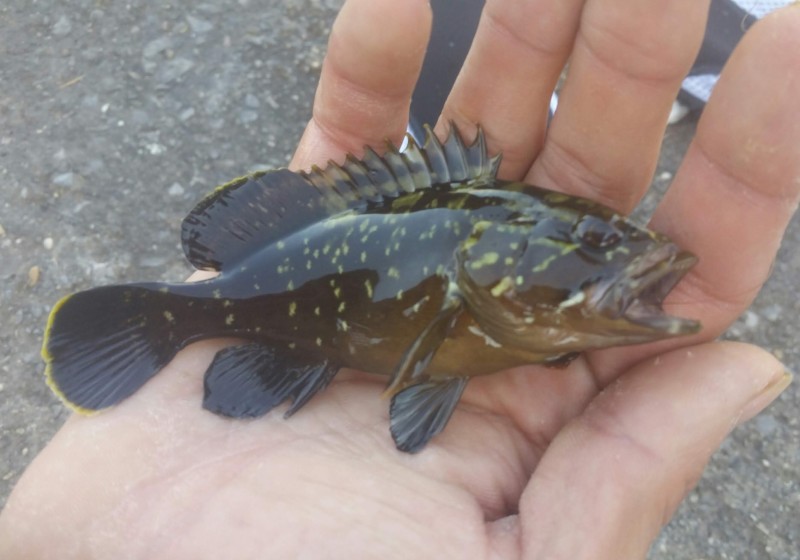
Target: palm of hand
column 535, row 461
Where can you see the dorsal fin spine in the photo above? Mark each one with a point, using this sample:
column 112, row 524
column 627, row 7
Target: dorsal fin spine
column 436, row 158
column 253, row 211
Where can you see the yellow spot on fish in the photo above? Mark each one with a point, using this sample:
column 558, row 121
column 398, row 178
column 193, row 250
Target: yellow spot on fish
column 281, row 245
column 292, row 309
column 229, row 320
column 505, row 284
column 169, row 316
column 227, row 303
column 290, row 285
column 485, row 259
column 545, row 263
column 342, row 325
column 292, row 346
column 363, row 256
column 337, row 292
column 508, row 260
column 520, row 280
column 393, row 272
column 326, row 249
column 319, row 341
column 399, row 294
column 217, row 294
column 341, row 307
column 308, row 265
column 368, row 286
column 316, row 253
column 514, row 245
column 316, row 311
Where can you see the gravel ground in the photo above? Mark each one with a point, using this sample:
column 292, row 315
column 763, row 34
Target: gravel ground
column 115, row 119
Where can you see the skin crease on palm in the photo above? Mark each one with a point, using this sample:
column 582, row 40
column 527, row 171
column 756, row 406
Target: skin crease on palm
column 586, row 462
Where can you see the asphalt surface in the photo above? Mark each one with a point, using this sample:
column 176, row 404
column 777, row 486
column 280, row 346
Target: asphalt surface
column 115, row 118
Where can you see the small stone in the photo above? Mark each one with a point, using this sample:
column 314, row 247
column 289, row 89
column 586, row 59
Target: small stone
column 272, row 103
column 62, row 27
column 34, row 273
column 199, row 25
column 247, row 116
column 251, row 101
column 751, row 319
column 155, row 148
column 156, row 46
column 186, row 114
column 172, row 70
column 772, row 312
column 765, row 424
column 258, row 167
column 48, row 243
column 64, row 179
column 175, row 189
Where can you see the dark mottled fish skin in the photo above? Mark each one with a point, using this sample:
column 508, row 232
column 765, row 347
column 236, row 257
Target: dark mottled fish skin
column 420, row 265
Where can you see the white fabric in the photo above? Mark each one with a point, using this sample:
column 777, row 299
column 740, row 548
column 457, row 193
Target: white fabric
column 760, row 8
column 700, row 86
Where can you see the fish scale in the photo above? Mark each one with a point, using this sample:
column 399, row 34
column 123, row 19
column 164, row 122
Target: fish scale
column 418, row 265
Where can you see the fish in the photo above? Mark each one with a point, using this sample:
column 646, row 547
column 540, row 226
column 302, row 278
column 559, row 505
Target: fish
column 420, row 265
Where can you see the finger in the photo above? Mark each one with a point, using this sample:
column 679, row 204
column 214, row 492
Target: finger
column 375, row 53
column 615, row 475
column 738, row 186
column 626, row 68
column 509, row 75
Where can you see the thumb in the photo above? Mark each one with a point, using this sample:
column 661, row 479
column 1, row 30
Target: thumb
column 616, row 474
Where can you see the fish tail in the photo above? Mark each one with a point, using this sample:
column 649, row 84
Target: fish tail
column 102, row 345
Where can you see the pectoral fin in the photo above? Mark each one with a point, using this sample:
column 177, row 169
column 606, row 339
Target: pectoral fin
column 416, row 358
column 252, row 379
column 421, row 411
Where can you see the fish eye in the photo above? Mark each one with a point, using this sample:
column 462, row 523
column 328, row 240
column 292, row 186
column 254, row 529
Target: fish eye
column 597, row 233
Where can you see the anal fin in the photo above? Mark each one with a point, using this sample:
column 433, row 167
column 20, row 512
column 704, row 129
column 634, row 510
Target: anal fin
column 421, row 411
column 250, row 380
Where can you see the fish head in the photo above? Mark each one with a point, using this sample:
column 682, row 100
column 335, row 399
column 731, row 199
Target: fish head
column 573, row 279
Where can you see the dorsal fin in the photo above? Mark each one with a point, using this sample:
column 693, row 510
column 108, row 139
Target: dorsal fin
column 253, row 211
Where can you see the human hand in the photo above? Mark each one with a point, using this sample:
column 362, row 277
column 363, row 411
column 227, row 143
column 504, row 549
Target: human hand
column 586, row 462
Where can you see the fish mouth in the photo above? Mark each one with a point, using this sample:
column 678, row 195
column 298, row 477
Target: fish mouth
column 638, row 293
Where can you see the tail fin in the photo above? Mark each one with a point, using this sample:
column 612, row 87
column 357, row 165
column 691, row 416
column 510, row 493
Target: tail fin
column 103, row 344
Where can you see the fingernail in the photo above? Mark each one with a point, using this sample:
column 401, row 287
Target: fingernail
column 765, row 397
